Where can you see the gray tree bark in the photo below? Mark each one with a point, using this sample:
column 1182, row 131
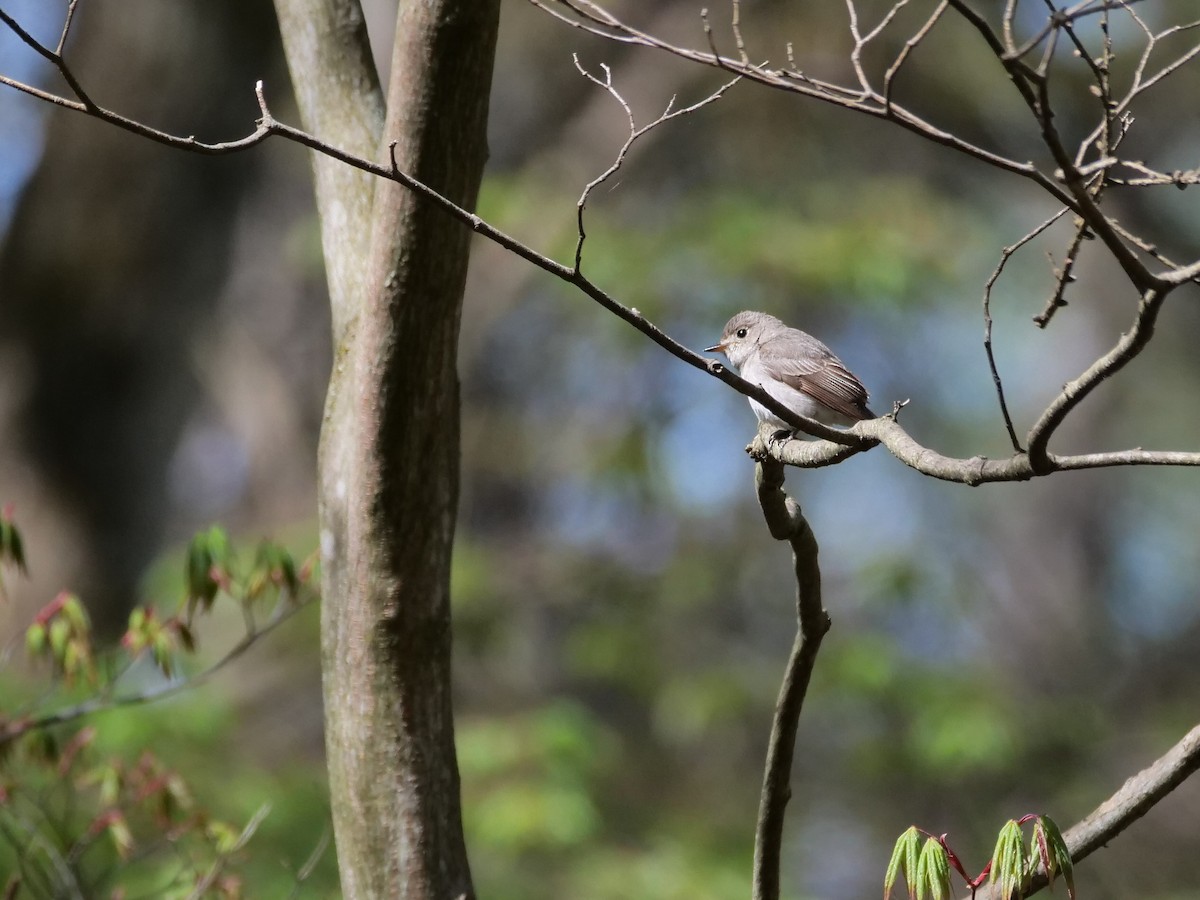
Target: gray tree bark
column 390, row 442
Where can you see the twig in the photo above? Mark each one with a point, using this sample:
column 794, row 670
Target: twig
column 592, row 18
column 55, row 57
column 634, row 134
column 786, row 523
column 1065, row 17
column 68, row 19
column 860, row 42
column 889, row 77
column 310, row 864
column 735, row 26
column 1005, row 256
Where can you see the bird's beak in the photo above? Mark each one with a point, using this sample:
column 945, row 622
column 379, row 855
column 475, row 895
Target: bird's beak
column 717, row 348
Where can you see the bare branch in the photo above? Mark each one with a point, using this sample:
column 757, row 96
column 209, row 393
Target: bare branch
column 70, row 17
column 592, row 18
column 1135, row 457
column 1136, row 797
column 1070, row 185
column 1061, row 19
column 54, row 57
column 634, row 134
column 1142, row 84
column 1005, row 256
column 911, row 44
column 1180, row 178
column 1130, row 345
column 786, row 523
column 1063, row 275
column 735, row 25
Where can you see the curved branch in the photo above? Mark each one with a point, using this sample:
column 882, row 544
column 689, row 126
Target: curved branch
column 1130, row 345
column 786, row 523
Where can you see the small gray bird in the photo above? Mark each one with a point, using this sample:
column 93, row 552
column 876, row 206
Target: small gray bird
column 794, row 368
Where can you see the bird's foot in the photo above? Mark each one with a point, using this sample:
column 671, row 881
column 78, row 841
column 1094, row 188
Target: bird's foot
column 783, row 435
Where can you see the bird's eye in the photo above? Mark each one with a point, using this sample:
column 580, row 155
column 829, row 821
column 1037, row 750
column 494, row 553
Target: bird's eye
column 741, row 332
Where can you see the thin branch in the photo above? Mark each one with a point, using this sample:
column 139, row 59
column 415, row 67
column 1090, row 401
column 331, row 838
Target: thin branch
column 70, row 17
column 634, row 134
column 1006, row 25
column 1127, row 347
column 265, row 129
column 592, row 18
column 12, row 730
column 1146, row 247
column 735, row 26
column 1179, row 178
column 889, row 77
column 1064, row 275
column 1134, row 457
column 860, row 42
column 1005, row 256
column 1063, row 18
column 1169, row 67
column 786, row 523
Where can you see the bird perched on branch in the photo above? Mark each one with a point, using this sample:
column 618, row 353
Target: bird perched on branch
column 794, row 368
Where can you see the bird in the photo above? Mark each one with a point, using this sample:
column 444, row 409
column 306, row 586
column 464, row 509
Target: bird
column 793, row 367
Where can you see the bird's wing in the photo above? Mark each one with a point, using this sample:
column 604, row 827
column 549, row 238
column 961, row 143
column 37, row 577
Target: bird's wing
column 818, row 373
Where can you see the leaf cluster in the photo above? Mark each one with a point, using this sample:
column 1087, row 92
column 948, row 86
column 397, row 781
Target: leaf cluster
column 924, row 862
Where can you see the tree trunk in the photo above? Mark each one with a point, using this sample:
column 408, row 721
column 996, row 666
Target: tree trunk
column 390, row 443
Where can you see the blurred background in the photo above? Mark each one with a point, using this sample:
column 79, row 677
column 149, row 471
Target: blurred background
column 622, row 615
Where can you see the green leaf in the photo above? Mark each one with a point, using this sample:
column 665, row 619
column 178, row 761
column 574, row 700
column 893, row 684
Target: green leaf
column 912, row 855
column 933, row 871
column 223, row 836
column 201, row 589
column 1040, row 850
column 35, row 639
column 110, row 785
column 161, row 649
column 903, row 862
column 12, row 548
column 74, row 612
column 208, row 555
column 278, row 566
column 60, row 631
column 1060, row 854
column 122, row 837
column 1008, row 860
